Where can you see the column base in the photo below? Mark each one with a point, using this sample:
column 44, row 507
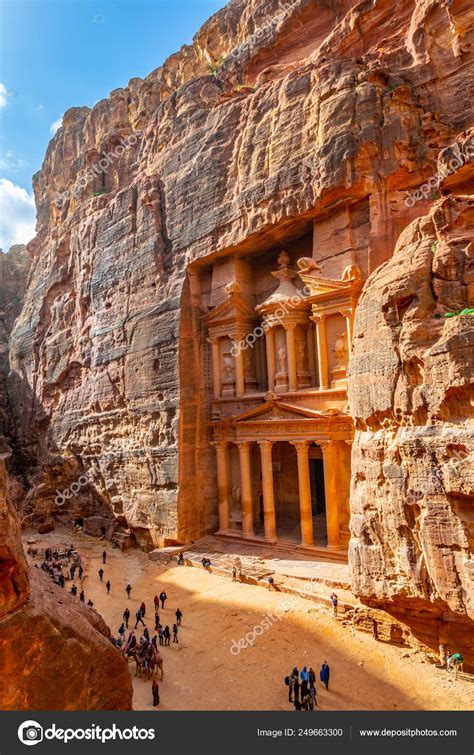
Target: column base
column 334, row 547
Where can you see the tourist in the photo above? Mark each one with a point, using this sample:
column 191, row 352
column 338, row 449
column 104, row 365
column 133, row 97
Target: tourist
column 311, row 677
column 239, row 574
column 324, row 674
column 304, row 699
column 289, row 681
column 82, row 596
column 181, row 559
column 121, row 631
column 334, row 603
column 297, row 704
column 296, row 687
column 156, row 601
column 271, row 583
column 107, row 584
column 167, row 635
column 90, row 603
column 155, row 691
column 138, row 617
column 81, row 571
column 153, row 640
column 146, row 634
column 160, row 634
column 179, row 616
column 163, row 598
column 157, row 620
column 128, row 590
column 312, row 692
column 72, row 571
column 126, row 616
column 175, row 633
column 234, row 574
column 101, row 575
column 74, row 590
column 142, row 608
column 104, row 557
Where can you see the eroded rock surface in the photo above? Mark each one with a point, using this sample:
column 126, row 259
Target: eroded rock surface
column 55, row 653
column 411, row 393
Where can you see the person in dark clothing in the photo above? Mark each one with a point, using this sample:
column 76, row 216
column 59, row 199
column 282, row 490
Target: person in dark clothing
column 311, row 677
column 81, row 572
column 121, row 631
column 156, row 601
column 146, row 634
column 101, row 574
column 291, row 684
column 74, row 590
column 160, row 634
column 72, row 571
column 81, row 596
column 126, row 616
column 143, row 608
column 90, row 603
column 312, row 692
column 175, row 633
column 138, row 617
column 179, row 616
column 296, row 689
column 128, row 590
column 155, row 691
column 157, row 620
column 104, row 557
column 107, row 584
column 167, row 635
column 324, row 674
column 297, row 704
column 181, row 558
column 163, row 598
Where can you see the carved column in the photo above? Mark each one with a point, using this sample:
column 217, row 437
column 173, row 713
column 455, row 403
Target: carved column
column 239, row 367
column 270, row 347
column 311, row 357
column 222, row 484
column 331, row 492
column 216, row 366
column 347, row 315
column 246, row 488
column 291, row 356
column 268, row 494
column 304, row 485
column 320, row 321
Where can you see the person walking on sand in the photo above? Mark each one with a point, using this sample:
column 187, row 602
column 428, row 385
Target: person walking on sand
column 156, row 601
column 334, row 604
column 271, row 583
column 101, row 575
column 311, row 677
column 142, row 608
column 138, row 617
column 161, row 634
column 179, row 616
column 121, row 631
column 163, row 598
column 167, row 635
column 104, row 557
column 324, row 674
column 155, row 691
column 296, row 688
column 175, row 633
column 157, row 620
column 81, row 571
column 74, row 590
column 291, row 683
column 181, row 558
column 126, row 616
column 312, row 692
column 107, row 584
column 234, row 574
column 128, row 590
column 82, row 596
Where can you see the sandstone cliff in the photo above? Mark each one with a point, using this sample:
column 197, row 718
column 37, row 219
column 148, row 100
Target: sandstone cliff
column 55, row 654
column 273, row 116
column 411, row 393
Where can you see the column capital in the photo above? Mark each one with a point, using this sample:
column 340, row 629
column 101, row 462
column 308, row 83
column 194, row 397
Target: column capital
column 325, row 444
column 243, row 443
column 345, row 312
column 265, row 443
column 300, row 444
column 220, row 443
column 318, row 317
column 213, row 339
column 349, row 442
column 289, row 325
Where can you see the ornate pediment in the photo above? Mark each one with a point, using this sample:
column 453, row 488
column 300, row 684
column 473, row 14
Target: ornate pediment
column 232, row 310
column 275, row 409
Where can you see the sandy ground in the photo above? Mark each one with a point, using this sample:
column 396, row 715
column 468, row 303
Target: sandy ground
column 201, row 672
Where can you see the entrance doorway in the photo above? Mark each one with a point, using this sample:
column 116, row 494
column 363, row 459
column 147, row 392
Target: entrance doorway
column 318, row 499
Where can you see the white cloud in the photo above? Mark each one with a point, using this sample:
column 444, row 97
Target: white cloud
column 55, row 125
column 11, row 163
column 17, row 215
column 39, row 108
column 3, row 95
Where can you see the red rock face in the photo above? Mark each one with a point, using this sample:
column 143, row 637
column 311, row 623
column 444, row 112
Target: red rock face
column 46, row 636
column 272, row 120
column 410, row 388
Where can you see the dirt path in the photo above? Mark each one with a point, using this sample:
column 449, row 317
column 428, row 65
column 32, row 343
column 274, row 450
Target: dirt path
column 201, row 672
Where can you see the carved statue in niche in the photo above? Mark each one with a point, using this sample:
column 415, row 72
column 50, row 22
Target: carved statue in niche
column 282, row 359
column 340, row 349
column 228, row 367
column 300, row 354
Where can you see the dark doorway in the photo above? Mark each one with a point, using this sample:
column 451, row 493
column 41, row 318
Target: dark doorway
column 318, row 499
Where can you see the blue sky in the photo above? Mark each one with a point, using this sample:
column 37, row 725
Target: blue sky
column 63, row 53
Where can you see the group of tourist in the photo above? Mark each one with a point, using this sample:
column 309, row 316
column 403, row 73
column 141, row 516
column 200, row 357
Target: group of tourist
column 302, row 686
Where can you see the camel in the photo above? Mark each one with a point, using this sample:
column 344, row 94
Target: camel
column 142, row 668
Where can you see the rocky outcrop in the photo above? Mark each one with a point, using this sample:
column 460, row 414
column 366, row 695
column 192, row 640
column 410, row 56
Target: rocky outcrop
column 411, row 393
column 275, row 116
column 55, row 654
